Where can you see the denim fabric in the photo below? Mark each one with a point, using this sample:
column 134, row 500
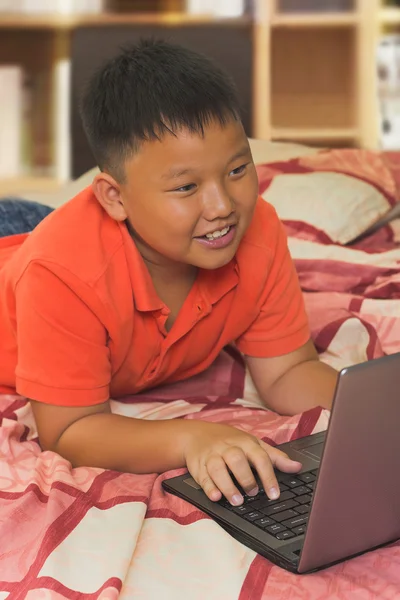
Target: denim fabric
column 20, row 216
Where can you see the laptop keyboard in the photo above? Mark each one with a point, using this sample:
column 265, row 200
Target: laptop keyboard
column 285, row 517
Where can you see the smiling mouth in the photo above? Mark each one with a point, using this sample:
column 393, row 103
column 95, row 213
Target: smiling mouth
column 218, row 239
column 216, row 234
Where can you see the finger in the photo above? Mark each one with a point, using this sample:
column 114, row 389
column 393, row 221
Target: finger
column 237, row 462
column 209, row 487
column 280, row 460
column 261, row 461
column 218, row 472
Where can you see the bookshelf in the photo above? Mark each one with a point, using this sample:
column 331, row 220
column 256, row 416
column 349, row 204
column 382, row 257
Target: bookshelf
column 389, row 16
column 318, row 85
column 314, row 77
column 67, row 23
column 311, row 20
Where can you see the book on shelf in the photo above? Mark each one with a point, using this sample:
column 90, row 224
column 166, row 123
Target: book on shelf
column 218, row 8
column 314, row 6
column 61, row 7
column 38, row 123
column 11, row 110
column 388, row 90
column 25, row 123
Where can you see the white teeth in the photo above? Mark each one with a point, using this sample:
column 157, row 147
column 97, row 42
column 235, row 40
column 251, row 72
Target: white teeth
column 217, row 234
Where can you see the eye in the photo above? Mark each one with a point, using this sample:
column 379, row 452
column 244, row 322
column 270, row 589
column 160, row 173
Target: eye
column 238, row 170
column 185, row 188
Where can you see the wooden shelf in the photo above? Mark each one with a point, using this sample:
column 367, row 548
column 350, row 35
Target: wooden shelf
column 390, row 16
column 65, row 23
column 19, row 185
column 314, row 74
column 307, row 20
column 331, row 134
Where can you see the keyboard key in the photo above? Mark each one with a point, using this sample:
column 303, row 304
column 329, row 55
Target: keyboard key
column 280, row 507
column 242, row 509
column 249, row 499
column 259, row 503
column 302, row 489
column 303, row 499
column 284, row 535
column 303, row 509
column 264, row 522
column 306, row 477
column 265, row 501
column 311, row 485
column 314, row 472
column 282, row 486
column 275, row 528
column 253, row 515
column 287, row 495
column 286, row 514
column 295, row 521
column 291, row 482
column 299, row 530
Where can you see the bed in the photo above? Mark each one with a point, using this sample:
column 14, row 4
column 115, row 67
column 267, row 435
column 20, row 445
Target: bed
column 95, row 534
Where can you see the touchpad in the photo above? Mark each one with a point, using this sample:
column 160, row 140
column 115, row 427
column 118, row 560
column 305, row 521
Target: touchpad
column 314, row 451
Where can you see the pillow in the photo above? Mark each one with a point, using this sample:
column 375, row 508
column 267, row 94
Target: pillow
column 265, row 151
column 333, row 196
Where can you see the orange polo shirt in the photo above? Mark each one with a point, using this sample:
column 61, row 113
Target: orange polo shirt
column 80, row 320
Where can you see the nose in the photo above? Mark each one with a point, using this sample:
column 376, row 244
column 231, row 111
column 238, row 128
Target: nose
column 217, row 204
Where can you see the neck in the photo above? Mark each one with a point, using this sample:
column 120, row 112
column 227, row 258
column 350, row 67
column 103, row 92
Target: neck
column 168, row 272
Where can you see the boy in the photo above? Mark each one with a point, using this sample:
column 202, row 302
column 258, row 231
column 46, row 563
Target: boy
column 144, row 277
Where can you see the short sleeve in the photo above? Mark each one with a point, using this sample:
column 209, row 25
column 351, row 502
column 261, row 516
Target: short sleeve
column 63, row 358
column 281, row 325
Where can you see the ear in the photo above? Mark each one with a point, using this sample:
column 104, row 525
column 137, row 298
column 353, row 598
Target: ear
column 108, row 194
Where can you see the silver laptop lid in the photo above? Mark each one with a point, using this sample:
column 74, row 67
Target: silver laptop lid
column 356, row 505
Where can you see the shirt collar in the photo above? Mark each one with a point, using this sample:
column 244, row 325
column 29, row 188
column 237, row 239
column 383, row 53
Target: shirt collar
column 215, row 283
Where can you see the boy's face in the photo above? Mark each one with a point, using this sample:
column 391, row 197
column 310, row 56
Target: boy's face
column 182, row 188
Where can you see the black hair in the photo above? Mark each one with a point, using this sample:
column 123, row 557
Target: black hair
column 149, row 89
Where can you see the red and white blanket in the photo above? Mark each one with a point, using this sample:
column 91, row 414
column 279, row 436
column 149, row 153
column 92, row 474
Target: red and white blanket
column 91, row 534
column 88, row 533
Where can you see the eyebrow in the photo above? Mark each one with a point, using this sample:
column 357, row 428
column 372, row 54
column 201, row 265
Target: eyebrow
column 245, row 151
column 176, row 173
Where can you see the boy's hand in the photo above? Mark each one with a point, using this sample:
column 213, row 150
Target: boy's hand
column 212, row 449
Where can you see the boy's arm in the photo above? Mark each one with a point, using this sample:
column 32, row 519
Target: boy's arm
column 295, row 382
column 93, row 436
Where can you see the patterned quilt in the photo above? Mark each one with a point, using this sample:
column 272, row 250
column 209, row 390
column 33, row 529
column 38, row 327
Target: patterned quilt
column 92, row 534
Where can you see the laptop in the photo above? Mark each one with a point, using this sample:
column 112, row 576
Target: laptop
column 346, row 498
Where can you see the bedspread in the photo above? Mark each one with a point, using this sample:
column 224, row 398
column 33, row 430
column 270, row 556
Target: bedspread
column 90, row 533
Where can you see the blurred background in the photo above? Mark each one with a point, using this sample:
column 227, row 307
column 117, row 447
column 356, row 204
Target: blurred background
column 319, row 72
